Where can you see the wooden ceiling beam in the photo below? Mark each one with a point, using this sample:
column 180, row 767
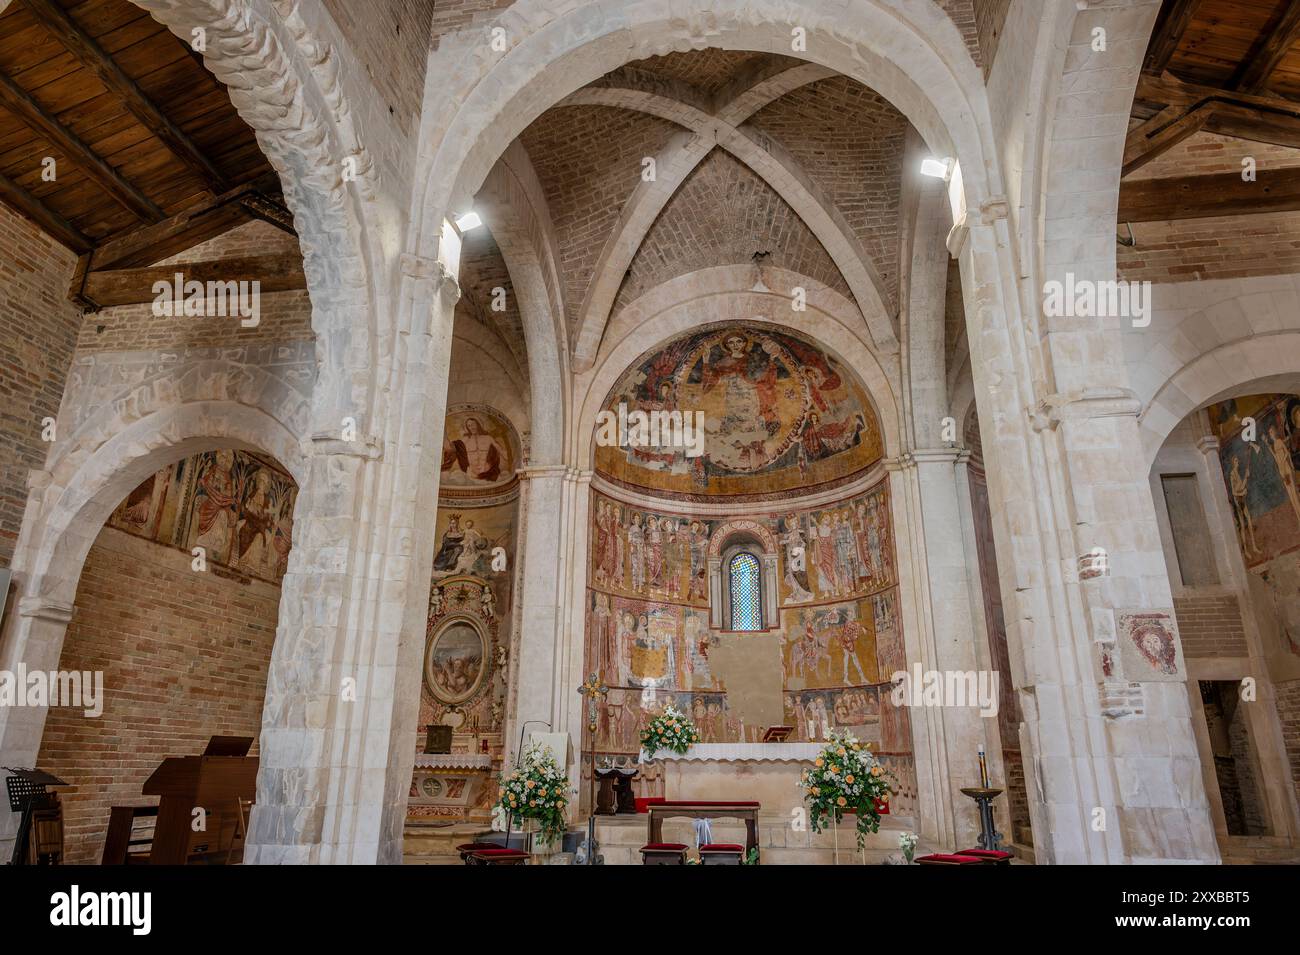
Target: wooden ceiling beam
column 1261, row 62
column 1169, row 33
column 92, row 56
column 1161, row 133
column 1264, row 119
column 184, row 230
column 16, row 99
column 275, row 273
column 59, row 228
column 1200, row 197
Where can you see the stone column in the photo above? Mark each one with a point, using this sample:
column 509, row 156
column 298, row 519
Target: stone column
column 1115, row 771
column 338, row 727
column 539, row 662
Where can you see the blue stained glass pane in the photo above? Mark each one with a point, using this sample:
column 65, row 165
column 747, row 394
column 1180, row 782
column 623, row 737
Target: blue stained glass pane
column 746, row 605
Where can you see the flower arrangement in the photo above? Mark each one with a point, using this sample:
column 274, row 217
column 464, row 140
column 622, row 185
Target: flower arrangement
column 537, row 789
column 670, row 730
column 907, row 842
column 846, row 777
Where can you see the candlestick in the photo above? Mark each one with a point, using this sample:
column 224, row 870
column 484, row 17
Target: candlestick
column 984, row 771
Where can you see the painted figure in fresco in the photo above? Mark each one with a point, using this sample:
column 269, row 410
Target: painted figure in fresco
column 626, row 638
column 636, row 551
column 796, row 560
column 848, row 636
column 610, row 553
column 218, row 502
column 824, row 547
column 453, row 542
column 606, row 641
column 488, row 603
column 1156, row 644
column 1282, row 455
column 255, row 531
column 135, row 511
column 700, row 716
column 877, row 541
column 809, row 649
column 1239, row 484
column 473, row 546
column 846, row 551
column 654, row 552
column 696, row 639
column 868, row 537
column 476, row 453
column 699, row 549
column 435, row 602
column 602, row 539
column 751, row 395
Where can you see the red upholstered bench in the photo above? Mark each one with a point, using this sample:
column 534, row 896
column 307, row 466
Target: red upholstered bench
column 663, row 853
column 941, row 858
column 988, row 856
column 466, row 848
column 710, row 802
column 721, row 853
column 497, row 856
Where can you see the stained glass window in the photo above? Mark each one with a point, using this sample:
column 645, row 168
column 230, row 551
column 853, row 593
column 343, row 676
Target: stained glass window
column 746, row 601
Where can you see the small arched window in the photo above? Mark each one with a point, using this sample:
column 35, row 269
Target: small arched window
column 745, row 591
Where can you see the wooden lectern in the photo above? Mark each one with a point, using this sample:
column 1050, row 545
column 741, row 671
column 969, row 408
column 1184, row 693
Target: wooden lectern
column 222, row 782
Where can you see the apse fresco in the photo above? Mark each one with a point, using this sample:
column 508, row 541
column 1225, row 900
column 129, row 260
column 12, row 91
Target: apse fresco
column 236, row 505
column 1264, row 491
column 825, row 661
column 780, row 414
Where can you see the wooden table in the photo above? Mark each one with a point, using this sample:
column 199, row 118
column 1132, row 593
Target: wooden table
column 746, row 811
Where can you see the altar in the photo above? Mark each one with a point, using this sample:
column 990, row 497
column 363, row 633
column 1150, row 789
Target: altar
column 767, row 773
column 450, row 786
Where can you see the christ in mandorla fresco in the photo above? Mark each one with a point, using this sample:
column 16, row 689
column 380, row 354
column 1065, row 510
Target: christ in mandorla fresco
column 476, row 457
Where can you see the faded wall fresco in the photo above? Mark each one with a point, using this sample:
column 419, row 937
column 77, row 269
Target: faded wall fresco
column 237, row 505
column 780, row 414
column 1260, row 467
column 825, row 660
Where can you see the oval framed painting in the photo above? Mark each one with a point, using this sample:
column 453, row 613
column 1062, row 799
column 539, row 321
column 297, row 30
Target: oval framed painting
column 456, row 660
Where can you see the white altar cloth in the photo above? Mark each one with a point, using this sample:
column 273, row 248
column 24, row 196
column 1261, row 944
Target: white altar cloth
column 744, row 753
column 453, row 761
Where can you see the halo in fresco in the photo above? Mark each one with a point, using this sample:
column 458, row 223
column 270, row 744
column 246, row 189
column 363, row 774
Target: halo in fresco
column 779, row 414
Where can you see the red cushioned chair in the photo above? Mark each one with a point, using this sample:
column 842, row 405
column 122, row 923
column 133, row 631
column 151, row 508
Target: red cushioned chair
column 721, row 853
column 663, row 853
column 497, row 856
column 941, row 858
column 988, row 856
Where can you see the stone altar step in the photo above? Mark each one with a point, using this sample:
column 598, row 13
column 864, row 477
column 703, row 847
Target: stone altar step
column 433, row 844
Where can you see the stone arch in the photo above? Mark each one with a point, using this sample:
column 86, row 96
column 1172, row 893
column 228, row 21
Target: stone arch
column 730, row 538
column 1241, row 367
column 726, row 293
column 158, row 422
column 909, row 51
column 284, row 81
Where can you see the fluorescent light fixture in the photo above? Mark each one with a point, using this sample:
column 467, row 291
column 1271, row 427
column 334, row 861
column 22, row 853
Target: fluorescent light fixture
column 938, row 168
column 469, row 220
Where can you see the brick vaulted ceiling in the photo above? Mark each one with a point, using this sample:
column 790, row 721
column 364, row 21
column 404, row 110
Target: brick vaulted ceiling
column 747, row 144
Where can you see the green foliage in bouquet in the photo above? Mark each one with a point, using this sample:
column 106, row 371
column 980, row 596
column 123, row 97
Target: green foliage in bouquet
column 671, row 730
column 538, row 788
column 846, row 777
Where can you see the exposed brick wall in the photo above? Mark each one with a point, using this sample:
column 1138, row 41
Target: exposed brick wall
column 38, row 331
column 184, row 656
column 588, row 159
column 285, row 316
column 1288, row 713
column 392, row 45
column 722, row 215
column 1215, row 248
column 849, row 140
column 451, row 16
column 1219, row 248
column 990, row 15
column 709, row 70
column 1210, row 626
column 483, row 269
column 962, row 14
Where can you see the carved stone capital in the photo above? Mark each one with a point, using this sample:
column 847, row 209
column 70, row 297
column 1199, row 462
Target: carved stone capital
column 365, row 447
column 45, row 608
column 1091, row 403
column 422, row 268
